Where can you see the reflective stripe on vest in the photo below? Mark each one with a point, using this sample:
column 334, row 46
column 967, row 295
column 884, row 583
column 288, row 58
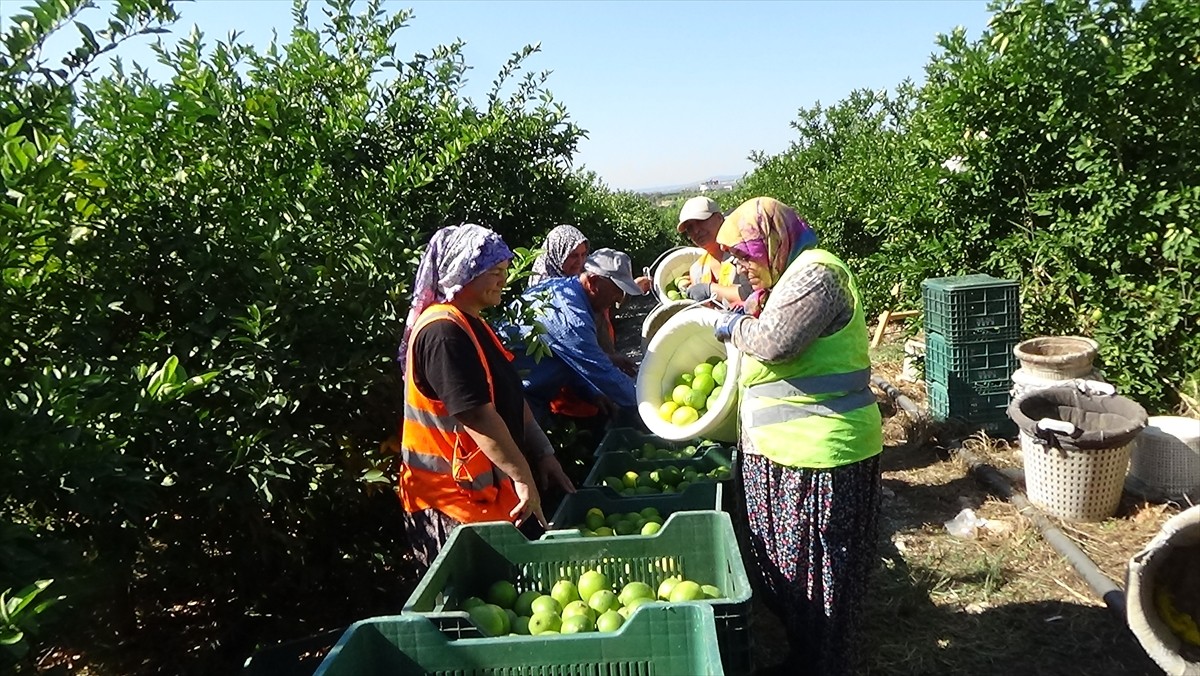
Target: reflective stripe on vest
column 813, row 385
column 438, row 464
column 785, row 412
column 441, row 465
column 817, row 409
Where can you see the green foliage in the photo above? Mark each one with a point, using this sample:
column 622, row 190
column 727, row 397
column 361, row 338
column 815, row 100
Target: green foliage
column 1056, row 149
column 19, row 615
column 206, row 279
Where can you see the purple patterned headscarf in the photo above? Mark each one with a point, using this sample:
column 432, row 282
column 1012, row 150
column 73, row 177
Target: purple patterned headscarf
column 560, row 242
column 456, row 255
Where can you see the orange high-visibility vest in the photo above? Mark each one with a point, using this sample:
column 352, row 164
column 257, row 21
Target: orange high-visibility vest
column 441, row 466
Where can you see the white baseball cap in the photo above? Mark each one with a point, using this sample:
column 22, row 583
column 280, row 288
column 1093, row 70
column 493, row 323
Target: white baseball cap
column 698, row 208
column 616, row 266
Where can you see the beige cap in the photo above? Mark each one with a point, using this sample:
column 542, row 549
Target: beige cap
column 698, row 208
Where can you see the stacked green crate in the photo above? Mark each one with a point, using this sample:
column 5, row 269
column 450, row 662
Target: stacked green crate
column 972, row 323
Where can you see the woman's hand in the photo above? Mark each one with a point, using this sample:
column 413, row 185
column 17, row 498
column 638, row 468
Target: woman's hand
column 550, row 473
column 529, row 503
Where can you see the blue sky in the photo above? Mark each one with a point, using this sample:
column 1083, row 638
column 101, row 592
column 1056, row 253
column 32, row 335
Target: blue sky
column 670, row 92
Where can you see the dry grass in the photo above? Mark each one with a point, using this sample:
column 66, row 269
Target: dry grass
column 1003, row 601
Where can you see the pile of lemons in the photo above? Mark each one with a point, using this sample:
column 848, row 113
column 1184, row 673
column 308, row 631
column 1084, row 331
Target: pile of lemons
column 694, row 392
column 668, row 479
column 590, row 603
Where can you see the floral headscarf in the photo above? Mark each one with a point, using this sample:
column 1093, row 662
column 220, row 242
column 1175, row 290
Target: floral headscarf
column 560, row 242
column 456, row 255
column 769, row 232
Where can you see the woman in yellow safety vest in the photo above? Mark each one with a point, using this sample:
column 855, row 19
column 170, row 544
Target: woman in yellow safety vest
column 469, row 444
column 810, row 432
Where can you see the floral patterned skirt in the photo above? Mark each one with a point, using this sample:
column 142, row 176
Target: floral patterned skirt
column 812, row 538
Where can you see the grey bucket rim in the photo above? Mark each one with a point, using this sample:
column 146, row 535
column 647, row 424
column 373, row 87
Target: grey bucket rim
column 1069, row 395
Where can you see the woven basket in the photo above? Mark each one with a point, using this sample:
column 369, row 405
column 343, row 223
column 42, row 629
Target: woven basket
column 1074, row 484
column 1166, row 460
column 1077, row 474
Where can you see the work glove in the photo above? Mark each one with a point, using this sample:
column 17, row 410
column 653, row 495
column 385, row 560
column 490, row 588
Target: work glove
column 725, row 323
column 699, row 292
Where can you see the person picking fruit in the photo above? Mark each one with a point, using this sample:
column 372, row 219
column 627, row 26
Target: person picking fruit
column 565, row 308
column 811, row 432
column 713, row 274
column 469, row 443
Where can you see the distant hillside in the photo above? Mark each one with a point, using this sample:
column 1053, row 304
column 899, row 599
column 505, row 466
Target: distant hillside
column 712, row 183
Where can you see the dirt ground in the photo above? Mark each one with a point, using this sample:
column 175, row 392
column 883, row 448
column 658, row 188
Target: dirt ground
column 1002, row 602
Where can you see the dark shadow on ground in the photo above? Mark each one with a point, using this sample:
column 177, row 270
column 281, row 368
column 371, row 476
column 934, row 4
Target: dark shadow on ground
column 907, row 633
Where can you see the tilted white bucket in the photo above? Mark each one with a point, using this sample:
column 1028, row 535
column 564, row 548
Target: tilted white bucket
column 685, row 340
column 671, row 265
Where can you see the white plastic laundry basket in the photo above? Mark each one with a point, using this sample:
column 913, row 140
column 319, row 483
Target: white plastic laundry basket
column 685, row 340
column 672, row 265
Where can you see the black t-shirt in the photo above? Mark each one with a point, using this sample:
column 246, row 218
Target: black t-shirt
column 447, row 368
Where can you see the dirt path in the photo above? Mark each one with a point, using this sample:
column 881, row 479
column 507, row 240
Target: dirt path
column 1003, row 602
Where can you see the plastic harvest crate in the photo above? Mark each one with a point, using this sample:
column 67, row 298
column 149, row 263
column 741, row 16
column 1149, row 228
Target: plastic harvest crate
column 700, row 546
column 989, row 363
column 698, row 496
column 986, row 410
column 664, row 640
column 628, row 438
column 972, row 308
column 620, row 462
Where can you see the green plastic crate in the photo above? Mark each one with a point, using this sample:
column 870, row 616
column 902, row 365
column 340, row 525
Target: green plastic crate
column 663, row 640
column 700, row 546
column 628, row 438
column 972, row 308
column 699, row 496
column 988, row 363
column 620, row 462
column 966, row 403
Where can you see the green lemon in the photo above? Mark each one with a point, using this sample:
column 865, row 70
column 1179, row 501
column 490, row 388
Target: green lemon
column 696, row 399
column 719, row 372
column 635, row 590
column 685, row 379
column 545, row 604
column 686, row 590
column 502, row 593
column 544, row 623
column 524, row 604
column 564, row 592
column 703, row 369
column 680, row 394
column 594, row 518
column 603, row 601
column 610, row 621
column 704, row 383
column 711, row 591
column 648, row 512
column 667, row 585
column 577, row 624
column 667, row 409
column 686, row 415
column 650, row 528
column 471, row 602
column 591, row 582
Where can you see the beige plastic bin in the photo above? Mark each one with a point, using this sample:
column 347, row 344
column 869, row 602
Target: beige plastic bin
column 671, row 265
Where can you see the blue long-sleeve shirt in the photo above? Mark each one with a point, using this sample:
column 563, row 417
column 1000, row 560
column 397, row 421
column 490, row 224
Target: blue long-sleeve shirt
column 561, row 307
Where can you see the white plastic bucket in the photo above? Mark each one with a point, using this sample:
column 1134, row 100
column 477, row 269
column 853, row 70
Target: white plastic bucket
column 659, row 316
column 685, row 340
column 671, row 265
